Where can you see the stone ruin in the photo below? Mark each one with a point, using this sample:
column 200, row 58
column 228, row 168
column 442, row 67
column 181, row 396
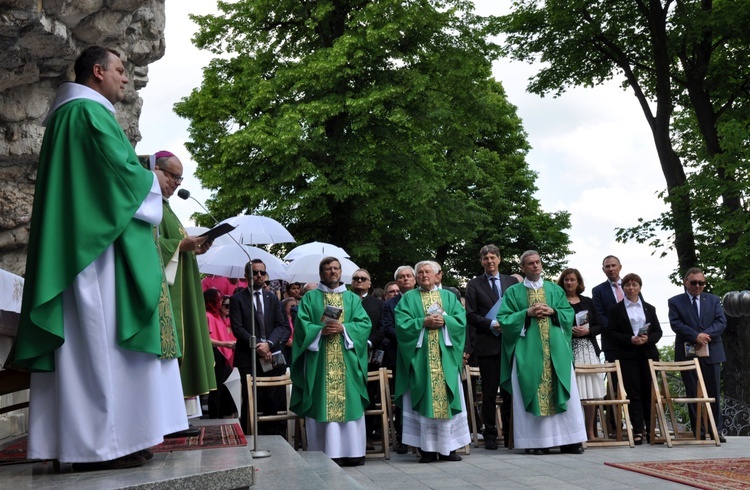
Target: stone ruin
column 39, row 41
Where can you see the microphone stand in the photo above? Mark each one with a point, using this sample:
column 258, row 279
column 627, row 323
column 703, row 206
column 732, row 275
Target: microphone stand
column 255, row 453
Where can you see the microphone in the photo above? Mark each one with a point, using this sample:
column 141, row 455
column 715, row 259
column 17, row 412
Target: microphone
column 185, row 194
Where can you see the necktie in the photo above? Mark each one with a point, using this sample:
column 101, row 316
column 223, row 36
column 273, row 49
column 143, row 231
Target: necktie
column 618, row 292
column 260, row 324
column 695, row 306
column 494, row 287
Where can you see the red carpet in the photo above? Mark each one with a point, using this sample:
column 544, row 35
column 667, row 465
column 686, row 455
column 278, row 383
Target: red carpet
column 710, row 474
column 211, row 436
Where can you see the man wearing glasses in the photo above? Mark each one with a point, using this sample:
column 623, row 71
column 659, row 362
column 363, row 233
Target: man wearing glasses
column 178, row 252
column 260, row 309
column 698, row 320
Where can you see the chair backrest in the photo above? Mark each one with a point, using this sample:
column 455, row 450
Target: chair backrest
column 610, row 370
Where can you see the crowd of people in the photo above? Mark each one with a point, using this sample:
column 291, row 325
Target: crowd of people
column 113, row 305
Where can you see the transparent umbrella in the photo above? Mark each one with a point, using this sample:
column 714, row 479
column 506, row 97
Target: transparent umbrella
column 229, row 261
column 258, row 230
column 306, row 267
column 313, row 248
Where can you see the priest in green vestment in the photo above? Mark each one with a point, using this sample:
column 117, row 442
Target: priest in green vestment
column 431, row 333
column 329, row 367
column 178, row 251
column 537, row 363
column 105, row 381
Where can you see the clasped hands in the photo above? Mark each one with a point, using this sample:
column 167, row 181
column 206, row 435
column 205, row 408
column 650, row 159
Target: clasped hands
column 332, row 327
column 581, row 330
column 539, row 310
column 434, row 321
column 263, row 351
column 702, row 339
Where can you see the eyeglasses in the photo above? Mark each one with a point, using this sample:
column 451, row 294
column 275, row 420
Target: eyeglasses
column 177, row 178
column 697, row 283
column 360, row 278
column 259, row 273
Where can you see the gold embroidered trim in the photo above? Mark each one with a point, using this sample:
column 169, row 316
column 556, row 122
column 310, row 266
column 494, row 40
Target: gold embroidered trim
column 545, row 392
column 335, row 367
column 437, row 376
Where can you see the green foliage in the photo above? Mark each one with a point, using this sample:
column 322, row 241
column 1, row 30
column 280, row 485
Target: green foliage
column 688, row 64
column 372, row 125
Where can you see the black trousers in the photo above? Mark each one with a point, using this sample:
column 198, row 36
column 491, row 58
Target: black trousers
column 712, row 380
column 489, row 369
column 636, row 379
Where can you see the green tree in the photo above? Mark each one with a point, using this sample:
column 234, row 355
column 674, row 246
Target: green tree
column 687, row 63
column 372, row 125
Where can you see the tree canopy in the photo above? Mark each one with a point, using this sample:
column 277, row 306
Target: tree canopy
column 688, row 64
column 374, row 125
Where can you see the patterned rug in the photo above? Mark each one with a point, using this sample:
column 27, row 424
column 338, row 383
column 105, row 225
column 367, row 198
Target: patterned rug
column 211, row 437
column 710, row 474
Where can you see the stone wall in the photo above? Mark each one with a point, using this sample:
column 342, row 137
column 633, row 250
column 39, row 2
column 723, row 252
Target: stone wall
column 39, row 41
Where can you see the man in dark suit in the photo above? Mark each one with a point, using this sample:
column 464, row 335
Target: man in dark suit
column 361, row 283
column 406, row 281
column 606, row 295
column 482, row 293
column 261, row 309
column 698, row 320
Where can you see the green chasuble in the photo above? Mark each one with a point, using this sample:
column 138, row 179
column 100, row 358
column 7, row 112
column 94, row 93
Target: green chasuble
column 431, row 370
column 544, row 356
column 89, row 185
column 197, row 362
column 330, row 384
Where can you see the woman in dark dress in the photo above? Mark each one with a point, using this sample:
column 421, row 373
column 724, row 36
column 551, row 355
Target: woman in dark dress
column 585, row 347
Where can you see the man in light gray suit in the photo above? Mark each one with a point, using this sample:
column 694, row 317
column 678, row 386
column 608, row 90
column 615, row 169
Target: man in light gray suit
column 698, row 320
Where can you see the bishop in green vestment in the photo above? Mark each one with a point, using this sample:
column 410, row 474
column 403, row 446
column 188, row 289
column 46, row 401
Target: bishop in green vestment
column 431, row 332
column 537, row 362
column 329, row 367
column 178, row 251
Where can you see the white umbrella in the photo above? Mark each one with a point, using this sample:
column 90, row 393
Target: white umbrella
column 305, row 268
column 255, row 230
column 229, row 261
column 316, row 248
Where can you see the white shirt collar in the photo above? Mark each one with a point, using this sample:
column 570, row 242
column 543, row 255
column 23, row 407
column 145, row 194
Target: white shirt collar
column 629, row 303
column 338, row 289
column 69, row 91
column 533, row 284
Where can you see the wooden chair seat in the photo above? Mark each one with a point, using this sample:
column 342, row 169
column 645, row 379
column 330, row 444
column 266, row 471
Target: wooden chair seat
column 616, row 399
column 663, row 402
column 295, row 428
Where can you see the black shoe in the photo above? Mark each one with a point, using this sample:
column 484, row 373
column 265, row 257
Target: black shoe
column 428, row 457
column 401, row 448
column 490, row 443
column 540, row 451
column 189, row 432
column 452, row 456
column 572, row 449
column 722, row 439
column 129, row 461
column 145, row 454
column 354, row 461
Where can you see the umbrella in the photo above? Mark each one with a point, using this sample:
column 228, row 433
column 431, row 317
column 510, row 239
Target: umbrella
column 230, row 260
column 316, row 248
column 255, row 230
column 305, row 268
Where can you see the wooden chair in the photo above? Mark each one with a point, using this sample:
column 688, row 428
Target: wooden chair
column 391, row 406
column 663, row 401
column 616, row 400
column 467, row 374
column 383, row 410
column 295, row 426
